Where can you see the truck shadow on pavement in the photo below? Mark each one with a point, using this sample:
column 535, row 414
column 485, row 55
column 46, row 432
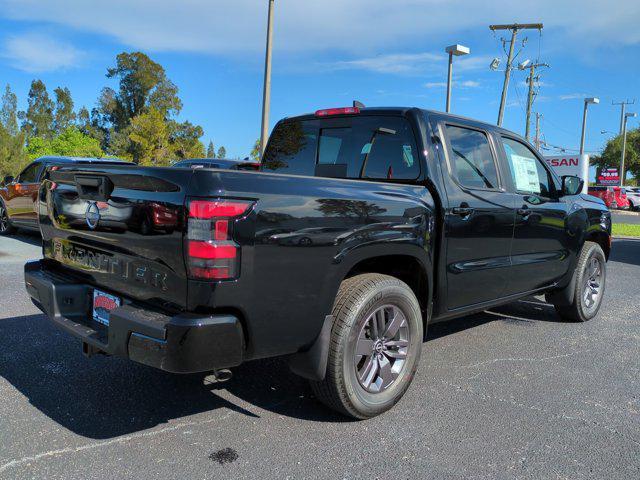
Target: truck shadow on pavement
column 102, row 398
column 626, row 251
column 32, row 238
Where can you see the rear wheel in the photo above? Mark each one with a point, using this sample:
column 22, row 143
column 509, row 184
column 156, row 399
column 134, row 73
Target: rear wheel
column 376, row 340
column 5, row 224
column 590, row 277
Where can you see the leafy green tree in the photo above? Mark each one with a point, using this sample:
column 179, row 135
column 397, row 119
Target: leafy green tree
column 222, row 153
column 9, row 111
column 211, row 150
column 136, row 121
column 89, row 124
column 38, row 119
column 12, row 157
column 612, row 154
column 64, row 115
column 143, row 85
column 150, row 138
column 71, row 142
column 185, row 140
column 255, row 151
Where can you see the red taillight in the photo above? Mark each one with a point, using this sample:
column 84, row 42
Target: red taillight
column 338, row 111
column 205, row 209
column 211, row 251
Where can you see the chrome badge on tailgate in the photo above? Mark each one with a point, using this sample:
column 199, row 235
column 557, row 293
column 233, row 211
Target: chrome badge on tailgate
column 126, row 270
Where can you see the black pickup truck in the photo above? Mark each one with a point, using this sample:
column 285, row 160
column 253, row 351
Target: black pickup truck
column 363, row 226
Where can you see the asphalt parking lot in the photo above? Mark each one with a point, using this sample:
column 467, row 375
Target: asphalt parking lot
column 628, row 217
column 512, row 393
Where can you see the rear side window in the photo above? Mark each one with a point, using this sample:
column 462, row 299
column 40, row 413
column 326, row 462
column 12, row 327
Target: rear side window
column 29, row 174
column 370, row 147
column 471, row 159
column 391, row 153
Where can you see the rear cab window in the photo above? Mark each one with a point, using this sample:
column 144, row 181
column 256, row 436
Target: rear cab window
column 359, row 147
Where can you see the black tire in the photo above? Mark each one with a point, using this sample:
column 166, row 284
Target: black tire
column 5, row 224
column 357, row 301
column 580, row 310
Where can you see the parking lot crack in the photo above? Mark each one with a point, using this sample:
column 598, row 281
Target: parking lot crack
column 114, row 441
column 524, row 359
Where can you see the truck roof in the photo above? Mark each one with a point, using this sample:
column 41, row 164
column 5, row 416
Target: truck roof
column 404, row 110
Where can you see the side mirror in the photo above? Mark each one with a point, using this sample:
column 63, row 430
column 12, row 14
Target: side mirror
column 572, row 185
column 7, row 180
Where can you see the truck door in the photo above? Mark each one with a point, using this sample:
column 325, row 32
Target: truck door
column 542, row 241
column 479, row 217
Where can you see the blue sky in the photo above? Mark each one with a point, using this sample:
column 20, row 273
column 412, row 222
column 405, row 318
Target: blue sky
column 329, row 52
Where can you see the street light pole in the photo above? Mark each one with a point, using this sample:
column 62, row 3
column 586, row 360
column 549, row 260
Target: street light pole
column 452, row 50
column 266, row 94
column 587, row 101
column 624, row 144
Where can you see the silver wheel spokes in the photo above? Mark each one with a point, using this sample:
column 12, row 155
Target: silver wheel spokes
column 4, row 221
column 381, row 349
column 593, row 282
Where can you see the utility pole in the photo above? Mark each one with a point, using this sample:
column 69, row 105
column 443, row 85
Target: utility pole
column 514, row 27
column 537, row 138
column 532, row 80
column 266, row 94
column 624, row 144
column 623, row 108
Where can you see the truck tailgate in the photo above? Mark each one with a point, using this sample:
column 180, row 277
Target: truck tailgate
column 119, row 228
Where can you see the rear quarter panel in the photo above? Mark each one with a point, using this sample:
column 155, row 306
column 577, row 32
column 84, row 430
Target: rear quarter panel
column 307, row 234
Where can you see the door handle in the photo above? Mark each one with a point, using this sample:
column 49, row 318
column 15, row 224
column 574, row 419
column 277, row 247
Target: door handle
column 462, row 211
column 524, row 212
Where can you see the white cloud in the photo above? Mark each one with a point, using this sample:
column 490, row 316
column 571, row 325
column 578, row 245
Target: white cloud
column 405, row 63
column 572, row 96
column 457, row 84
column 34, row 53
column 354, row 26
column 435, row 84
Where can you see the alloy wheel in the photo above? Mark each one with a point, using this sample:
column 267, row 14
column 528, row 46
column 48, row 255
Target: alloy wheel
column 381, row 349
column 4, row 220
column 593, row 283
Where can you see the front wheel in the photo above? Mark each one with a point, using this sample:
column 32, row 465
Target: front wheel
column 5, row 224
column 376, row 340
column 590, row 278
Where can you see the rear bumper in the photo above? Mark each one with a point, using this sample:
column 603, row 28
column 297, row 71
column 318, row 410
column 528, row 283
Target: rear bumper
column 184, row 343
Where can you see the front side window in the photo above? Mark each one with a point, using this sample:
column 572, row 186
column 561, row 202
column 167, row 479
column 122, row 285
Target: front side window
column 527, row 172
column 471, row 159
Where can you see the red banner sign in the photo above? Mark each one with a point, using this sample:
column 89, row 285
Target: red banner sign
column 608, row 177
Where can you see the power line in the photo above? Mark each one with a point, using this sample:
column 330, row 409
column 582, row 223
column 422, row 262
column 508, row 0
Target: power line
column 623, row 106
column 514, row 28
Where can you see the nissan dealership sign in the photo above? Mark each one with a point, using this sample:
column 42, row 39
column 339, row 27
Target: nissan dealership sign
column 577, row 165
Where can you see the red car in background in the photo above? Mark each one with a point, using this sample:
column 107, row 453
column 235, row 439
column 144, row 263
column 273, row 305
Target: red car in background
column 613, row 197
